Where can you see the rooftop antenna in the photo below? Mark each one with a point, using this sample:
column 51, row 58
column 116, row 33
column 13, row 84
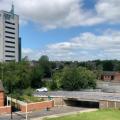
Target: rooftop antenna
column 12, row 8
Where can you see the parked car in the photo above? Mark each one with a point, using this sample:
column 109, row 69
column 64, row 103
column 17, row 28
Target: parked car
column 43, row 89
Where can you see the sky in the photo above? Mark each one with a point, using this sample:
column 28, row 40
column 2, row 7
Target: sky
column 70, row 30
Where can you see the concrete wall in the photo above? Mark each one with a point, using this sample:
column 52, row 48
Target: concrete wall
column 58, row 101
column 104, row 104
column 5, row 110
column 7, row 16
column 117, row 78
column 1, row 99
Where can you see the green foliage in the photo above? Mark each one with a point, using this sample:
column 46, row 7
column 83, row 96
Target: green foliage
column 51, row 85
column 106, row 65
column 57, row 79
column 16, row 75
column 73, row 78
column 67, row 75
column 25, row 95
column 22, row 75
column 29, row 91
column 45, row 66
column 36, row 76
column 30, row 99
column 97, row 115
column 70, row 79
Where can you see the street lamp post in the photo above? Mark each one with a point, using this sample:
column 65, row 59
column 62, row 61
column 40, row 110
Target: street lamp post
column 2, row 73
column 26, row 111
column 11, row 94
column 11, row 116
column 11, row 100
column 2, row 68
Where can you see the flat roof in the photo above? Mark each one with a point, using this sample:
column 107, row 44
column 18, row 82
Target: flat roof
column 3, row 11
column 80, row 95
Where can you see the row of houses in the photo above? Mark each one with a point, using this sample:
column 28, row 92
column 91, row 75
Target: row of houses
column 110, row 76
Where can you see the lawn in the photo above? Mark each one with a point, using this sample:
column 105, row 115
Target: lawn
column 98, row 115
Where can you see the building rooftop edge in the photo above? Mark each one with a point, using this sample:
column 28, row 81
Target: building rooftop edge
column 8, row 12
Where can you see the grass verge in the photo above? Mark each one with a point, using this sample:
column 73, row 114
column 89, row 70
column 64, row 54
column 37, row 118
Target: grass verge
column 98, row 115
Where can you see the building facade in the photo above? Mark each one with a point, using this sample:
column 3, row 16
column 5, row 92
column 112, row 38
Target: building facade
column 10, row 43
column 110, row 76
column 1, row 94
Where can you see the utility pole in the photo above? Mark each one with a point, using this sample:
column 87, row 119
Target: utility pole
column 2, row 72
column 26, row 111
column 2, row 67
column 11, row 100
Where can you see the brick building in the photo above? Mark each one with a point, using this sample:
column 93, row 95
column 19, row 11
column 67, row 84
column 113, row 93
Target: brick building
column 110, row 76
column 1, row 94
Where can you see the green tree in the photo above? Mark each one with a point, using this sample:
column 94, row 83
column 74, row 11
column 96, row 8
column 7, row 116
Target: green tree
column 37, row 75
column 16, row 75
column 24, row 72
column 45, row 66
column 9, row 76
column 73, row 78
column 70, row 79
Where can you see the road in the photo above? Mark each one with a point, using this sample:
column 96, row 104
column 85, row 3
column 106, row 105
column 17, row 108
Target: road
column 93, row 96
column 53, row 111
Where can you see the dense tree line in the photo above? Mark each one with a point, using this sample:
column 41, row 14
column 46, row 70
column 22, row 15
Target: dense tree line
column 104, row 65
column 22, row 75
column 65, row 74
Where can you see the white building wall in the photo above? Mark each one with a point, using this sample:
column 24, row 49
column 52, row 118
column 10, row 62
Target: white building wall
column 9, row 36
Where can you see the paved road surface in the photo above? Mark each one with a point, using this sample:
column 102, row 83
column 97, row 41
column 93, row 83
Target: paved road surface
column 55, row 110
column 94, row 96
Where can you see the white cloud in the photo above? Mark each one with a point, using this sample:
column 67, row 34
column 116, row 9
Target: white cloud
column 65, row 13
column 27, row 50
column 91, row 46
column 109, row 10
column 86, row 46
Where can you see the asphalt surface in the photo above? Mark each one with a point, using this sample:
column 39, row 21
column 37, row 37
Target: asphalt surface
column 92, row 96
column 42, row 113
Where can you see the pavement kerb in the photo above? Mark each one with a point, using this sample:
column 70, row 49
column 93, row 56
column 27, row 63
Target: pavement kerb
column 64, row 114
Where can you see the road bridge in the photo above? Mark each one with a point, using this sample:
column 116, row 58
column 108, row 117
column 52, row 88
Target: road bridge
column 99, row 99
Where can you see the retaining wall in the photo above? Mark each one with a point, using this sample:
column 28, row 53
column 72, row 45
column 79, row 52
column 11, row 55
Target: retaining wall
column 37, row 106
column 5, row 110
column 1, row 99
column 105, row 104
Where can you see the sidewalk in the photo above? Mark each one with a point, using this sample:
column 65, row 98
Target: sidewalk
column 64, row 114
column 54, row 112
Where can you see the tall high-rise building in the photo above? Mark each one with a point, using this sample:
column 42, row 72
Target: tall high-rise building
column 10, row 43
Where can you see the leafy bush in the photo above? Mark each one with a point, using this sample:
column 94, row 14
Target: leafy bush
column 74, row 78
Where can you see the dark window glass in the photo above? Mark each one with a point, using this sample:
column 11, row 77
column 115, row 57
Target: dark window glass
column 9, row 51
column 9, row 32
column 112, row 77
column 10, row 42
column 9, row 23
column 10, row 37
column 10, row 28
column 8, row 60
column 10, row 46
column 9, row 56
